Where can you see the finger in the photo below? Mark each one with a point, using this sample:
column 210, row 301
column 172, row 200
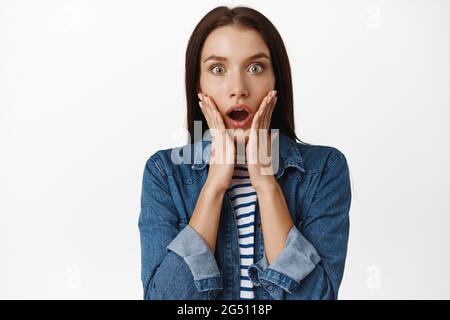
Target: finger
column 265, row 122
column 251, row 147
column 268, row 113
column 209, row 111
column 205, row 113
column 204, row 107
column 212, row 117
column 219, row 118
column 213, row 113
column 267, row 108
column 257, row 117
column 267, row 125
column 272, row 109
column 210, row 120
column 267, row 104
column 257, row 124
column 226, row 142
column 264, row 115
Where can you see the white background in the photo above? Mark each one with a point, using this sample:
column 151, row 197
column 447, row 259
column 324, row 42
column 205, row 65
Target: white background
column 90, row 89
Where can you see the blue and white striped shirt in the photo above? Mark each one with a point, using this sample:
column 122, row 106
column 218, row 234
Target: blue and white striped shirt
column 243, row 199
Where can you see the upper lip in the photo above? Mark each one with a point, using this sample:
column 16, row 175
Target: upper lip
column 239, row 106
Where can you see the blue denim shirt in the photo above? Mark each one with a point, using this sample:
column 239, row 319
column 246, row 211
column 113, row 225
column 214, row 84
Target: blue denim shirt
column 176, row 262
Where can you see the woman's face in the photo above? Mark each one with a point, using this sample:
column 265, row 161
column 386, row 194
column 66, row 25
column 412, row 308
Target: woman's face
column 230, row 74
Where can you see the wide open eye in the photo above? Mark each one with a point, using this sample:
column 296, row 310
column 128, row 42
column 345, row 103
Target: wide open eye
column 218, row 66
column 257, row 66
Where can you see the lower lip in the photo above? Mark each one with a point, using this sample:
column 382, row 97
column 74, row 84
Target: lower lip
column 241, row 124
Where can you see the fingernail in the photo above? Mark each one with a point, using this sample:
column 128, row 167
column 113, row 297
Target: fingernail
column 274, row 92
column 199, row 96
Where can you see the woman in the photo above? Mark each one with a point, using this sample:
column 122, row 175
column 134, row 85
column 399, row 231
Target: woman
column 217, row 222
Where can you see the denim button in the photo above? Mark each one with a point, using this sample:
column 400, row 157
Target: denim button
column 212, row 295
column 255, row 283
column 267, row 285
column 252, row 274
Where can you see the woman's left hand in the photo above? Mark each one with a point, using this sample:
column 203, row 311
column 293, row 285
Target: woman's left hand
column 258, row 151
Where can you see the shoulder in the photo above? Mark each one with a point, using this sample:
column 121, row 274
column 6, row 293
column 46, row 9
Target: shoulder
column 175, row 162
column 318, row 158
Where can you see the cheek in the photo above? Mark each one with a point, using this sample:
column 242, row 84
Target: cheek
column 210, row 81
column 265, row 86
column 262, row 87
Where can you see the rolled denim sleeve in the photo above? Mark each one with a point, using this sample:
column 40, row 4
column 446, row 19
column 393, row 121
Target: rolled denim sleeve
column 175, row 264
column 195, row 251
column 292, row 265
column 312, row 262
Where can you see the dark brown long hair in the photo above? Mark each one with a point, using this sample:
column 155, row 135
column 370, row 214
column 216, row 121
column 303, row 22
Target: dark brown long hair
column 283, row 114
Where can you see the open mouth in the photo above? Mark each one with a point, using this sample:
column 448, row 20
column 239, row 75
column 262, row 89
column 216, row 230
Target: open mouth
column 238, row 115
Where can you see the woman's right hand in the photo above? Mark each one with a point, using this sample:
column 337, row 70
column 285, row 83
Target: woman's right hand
column 222, row 160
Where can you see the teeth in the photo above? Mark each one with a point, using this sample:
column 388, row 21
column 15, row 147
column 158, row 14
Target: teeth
column 237, row 109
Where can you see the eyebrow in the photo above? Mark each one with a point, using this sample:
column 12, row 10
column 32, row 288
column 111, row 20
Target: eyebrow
column 256, row 56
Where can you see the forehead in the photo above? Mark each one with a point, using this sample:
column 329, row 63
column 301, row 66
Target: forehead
column 234, row 43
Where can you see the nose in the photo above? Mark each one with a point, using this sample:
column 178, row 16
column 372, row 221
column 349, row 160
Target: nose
column 239, row 88
column 239, row 95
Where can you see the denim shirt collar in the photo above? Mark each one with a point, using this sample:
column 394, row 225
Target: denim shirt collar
column 289, row 154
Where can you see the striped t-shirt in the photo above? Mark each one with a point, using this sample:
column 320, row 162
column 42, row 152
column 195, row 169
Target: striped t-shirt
column 243, row 199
